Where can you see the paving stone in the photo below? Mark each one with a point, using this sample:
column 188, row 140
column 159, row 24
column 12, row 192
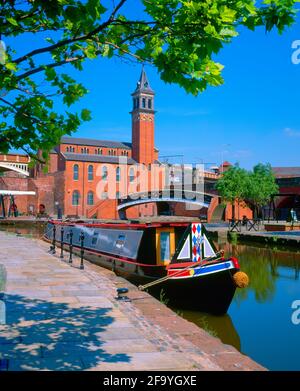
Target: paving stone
column 61, row 318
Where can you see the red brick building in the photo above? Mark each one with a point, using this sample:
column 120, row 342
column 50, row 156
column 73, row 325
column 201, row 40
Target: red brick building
column 87, row 177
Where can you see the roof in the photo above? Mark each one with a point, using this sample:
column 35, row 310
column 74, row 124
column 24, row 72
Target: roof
column 82, row 157
column 95, row 143
column 286, row 172
column 226, row 164
column 143, row 84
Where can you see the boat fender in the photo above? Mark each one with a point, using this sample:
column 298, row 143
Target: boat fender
column 241, row 279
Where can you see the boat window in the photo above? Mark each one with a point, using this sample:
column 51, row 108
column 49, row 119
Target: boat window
column 165, row 246
column 120, row 241
column 94, row 239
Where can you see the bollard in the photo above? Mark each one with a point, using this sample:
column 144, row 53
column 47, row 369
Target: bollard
column 81, row 250
column 61, row 243
column 121, row 294
column 71, row 247
column 53, row 240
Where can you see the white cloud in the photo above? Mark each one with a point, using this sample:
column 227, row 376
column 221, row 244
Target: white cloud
column 291, row 132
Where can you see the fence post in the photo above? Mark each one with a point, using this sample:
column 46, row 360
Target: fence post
column 61, row 242
column 81, row 250
column 71, row 247
column 53, row 240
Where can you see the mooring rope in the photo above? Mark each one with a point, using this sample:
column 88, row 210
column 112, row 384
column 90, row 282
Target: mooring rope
column 160, row 280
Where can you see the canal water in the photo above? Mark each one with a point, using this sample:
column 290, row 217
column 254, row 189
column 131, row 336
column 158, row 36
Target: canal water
column 259, row 321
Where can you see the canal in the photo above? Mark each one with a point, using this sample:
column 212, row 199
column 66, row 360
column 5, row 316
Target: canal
column 259, row 320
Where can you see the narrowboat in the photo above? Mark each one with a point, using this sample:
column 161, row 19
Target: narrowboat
column 174, row 256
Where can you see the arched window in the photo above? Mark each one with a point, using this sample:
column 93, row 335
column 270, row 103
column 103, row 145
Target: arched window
column 87, row 151
column 75, row 172
column 75, row 198
column 90, row 173
column 131, row 174
column 104, row 173
column 149, row 104
column 118, row 174
column 109, row 151
column 144, row 103
column 90, row 198
column 67, row 149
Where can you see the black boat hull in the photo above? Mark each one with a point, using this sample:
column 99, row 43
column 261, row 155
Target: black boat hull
column 212, row 291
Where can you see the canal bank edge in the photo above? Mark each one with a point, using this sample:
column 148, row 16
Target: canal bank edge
column 154, row 314
column 157, row 314
column 174, row 338
column 259, row 237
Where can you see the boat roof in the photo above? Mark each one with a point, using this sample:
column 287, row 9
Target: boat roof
column 129, row 225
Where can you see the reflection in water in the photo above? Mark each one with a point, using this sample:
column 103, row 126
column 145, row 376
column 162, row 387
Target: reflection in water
column 218, row 326
column 32, row 231
column 261, row 314
column 2, row 290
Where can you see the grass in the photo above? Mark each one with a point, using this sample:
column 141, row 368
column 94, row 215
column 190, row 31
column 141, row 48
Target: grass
column 205, row 325
column 163, row 297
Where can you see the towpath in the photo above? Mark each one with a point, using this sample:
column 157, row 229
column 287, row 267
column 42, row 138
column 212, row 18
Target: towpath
column 57, row 317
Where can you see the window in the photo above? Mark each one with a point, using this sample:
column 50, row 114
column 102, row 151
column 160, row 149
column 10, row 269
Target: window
column 131, row 175
column 104, row 195
column 165, row 246
column 75, row 172
column 109, row 151
column 81, row 150
column 104, row 173
column 90, row 172
column 87, row 151
column 137, row 103
column 75, row 198
column 118, row 174
column 90, row 198
column 94, row 239
column 67, row 149
column 144, row 103
column 118, row 195
column 149, row 104
column 120, row 241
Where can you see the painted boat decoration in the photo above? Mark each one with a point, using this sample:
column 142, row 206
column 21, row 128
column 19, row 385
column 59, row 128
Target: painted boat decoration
column 174, row 256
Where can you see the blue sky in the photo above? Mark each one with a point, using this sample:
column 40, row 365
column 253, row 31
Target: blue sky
column 254, row 117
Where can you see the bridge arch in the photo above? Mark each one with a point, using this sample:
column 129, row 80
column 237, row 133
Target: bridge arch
column 21, row 168
column 202, row 200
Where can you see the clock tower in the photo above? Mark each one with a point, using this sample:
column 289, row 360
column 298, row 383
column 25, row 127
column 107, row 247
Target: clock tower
column 143, row 122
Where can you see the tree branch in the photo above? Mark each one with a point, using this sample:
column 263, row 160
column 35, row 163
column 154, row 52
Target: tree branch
column 72, row 40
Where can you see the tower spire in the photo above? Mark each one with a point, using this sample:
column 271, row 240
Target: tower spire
column 143, row 121
column 143, row 84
